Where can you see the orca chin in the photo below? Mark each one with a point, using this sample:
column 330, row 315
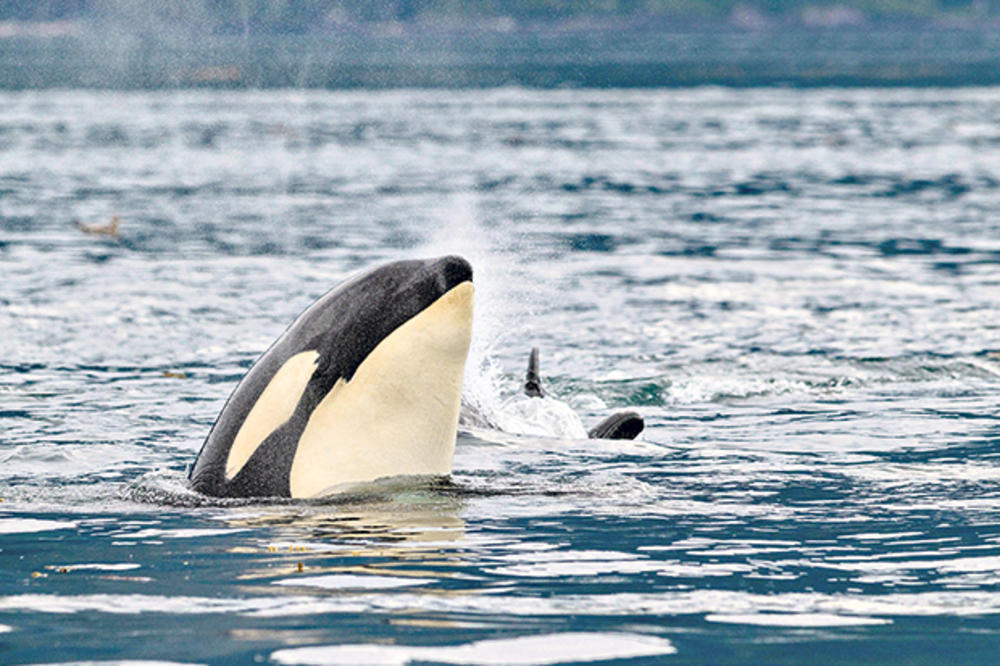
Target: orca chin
column 365, row 384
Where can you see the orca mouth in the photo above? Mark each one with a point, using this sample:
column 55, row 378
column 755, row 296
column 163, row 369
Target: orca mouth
column 452, row 271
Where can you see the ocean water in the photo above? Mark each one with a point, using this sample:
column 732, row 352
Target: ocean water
column 798, row 290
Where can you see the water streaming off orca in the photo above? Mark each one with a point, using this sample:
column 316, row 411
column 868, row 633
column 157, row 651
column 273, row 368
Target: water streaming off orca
column 798, row 290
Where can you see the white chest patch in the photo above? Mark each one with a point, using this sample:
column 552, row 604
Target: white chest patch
column 399, row 412
column 274, row 406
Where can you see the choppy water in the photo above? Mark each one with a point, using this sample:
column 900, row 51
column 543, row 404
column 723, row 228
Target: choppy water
column 797, row 289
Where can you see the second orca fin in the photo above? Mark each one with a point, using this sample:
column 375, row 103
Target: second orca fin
column 532, row 382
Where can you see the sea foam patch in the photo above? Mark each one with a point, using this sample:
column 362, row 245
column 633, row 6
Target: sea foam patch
column 122, row 662
column 354, row 582
column 718, row 603
column 132, row 604
column 95, row 566
column 574, row 563
column 545, row 649
column 796, row 619
column 192, row 533
column 29, row 525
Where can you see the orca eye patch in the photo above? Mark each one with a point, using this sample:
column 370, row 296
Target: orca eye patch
column 275, row 405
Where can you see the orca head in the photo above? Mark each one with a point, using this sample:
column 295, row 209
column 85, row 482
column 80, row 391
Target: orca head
column 348, row 322
column 395, row 412
column 440, row 289
column 365, row 384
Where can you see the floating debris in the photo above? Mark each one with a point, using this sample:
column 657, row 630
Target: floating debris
column 174, row 375
column 111, row 229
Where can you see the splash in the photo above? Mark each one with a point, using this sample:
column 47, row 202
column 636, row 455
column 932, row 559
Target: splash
column 501, row 294
column 491, row 397
column 540, row 417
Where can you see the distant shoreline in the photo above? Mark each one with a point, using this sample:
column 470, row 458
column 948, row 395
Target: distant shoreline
column 606, row 55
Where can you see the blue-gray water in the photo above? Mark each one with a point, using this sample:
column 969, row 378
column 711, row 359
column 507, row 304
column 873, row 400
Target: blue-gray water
column 641, row 52
column 799, row 291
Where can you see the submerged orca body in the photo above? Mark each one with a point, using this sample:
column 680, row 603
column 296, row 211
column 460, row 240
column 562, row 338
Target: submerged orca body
column 365, row 384
column 621, row 425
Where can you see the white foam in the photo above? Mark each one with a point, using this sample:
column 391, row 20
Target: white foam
column 596, row 562
column 584, row 568
column 545, row 649
column 721, row 602
column 579, row 563
column 132, row 604
column 876, row 536
column 178, row 534
column 121, row 662
column 122, row 566
column 879, row 565
column 542, row 417
column 549, row 555
column 64, row 459
column 350, row 581
column 951, row 603
column 702, row 569
column 796, row 619
column 28, row 525
column 4, row 628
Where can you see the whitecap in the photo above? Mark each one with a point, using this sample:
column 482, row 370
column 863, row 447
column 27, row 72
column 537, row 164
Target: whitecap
column 584, row 568
column 796, row 619
column 541, row 417
column 350, row 581
column 192, row 533
column 121, row 662
column 544, row 649
column 120, row 566
column 132, row 604
column 27, row 525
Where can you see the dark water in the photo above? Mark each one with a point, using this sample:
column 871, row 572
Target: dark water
column 797, row 289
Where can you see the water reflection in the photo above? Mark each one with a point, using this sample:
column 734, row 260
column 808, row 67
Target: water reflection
column 393, row 534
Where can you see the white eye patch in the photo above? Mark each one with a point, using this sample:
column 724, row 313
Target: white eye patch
column 273, row 408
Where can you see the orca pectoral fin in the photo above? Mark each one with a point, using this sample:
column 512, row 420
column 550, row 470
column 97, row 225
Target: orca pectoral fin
column 532, row 382
column 623, row 425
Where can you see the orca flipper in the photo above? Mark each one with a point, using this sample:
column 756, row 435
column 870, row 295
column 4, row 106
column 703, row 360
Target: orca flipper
column 623, row 425
column 532, row 382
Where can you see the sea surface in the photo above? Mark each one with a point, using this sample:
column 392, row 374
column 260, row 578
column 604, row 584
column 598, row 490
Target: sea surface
column 799, row 290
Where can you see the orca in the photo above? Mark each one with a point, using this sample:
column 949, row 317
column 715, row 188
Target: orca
column 621, row 425
column 365, row 384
